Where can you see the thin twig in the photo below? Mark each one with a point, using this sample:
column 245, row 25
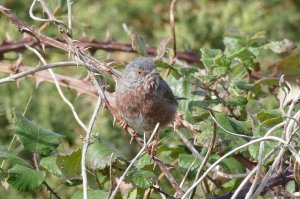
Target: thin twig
column 210, row 148
column 133, row 161
column 14, row 136
column 69, row 5
column 92, row 62
column 85, row 147
column 38, row 18
column 81, row 86
column 226, row 131
column 37, row 69
column 201, row 158
column 271, row 138
column 59, row 89
column 172, row 26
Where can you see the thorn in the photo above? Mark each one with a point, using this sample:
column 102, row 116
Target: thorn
column 131, row 140
column 18, row 82
column 43, row 47
column 114, row 121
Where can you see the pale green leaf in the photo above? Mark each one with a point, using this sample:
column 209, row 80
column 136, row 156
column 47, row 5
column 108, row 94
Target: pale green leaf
column 34, row 138
column 24, row 178
column 4, row 153
column 141, row 178
column 69, row 164
column 92, row 194
column 49, row 163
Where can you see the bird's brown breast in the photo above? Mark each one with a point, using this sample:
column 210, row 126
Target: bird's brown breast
column 142, row 108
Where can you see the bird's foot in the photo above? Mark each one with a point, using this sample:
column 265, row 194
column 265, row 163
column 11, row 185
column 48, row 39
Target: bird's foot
column 178, row 120
column 153, row 147
column 123, row 124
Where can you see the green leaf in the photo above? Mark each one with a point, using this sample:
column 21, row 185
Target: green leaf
column 237, row 101
column 49, row 163
column 24, row 178
column 233, row 46
column 4, row 153
column 100, row 155
column 231, row 165
column 228, row 186
column 132, row 194
column 73, row 182
column 264, row 115
column 144, row 160
column 188, row 71
column 220, row 71
column 269, row 145
column 141, row 178
column 92, row 194
column 34, row 138
column 281, row 46
column 209, row 57
column 69, row 164
column 233, row 125
column 186, row 160
column 243, row 85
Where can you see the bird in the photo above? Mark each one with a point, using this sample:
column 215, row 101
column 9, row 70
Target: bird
column 143, row 98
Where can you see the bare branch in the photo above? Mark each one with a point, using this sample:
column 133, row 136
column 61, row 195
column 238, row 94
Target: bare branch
column 271, row 138
column 133, row 161
column 85, row 147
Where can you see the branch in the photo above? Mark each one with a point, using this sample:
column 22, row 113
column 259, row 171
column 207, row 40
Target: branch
column 133, row 160
column 93, row 63
column 85, row 147
column 275, row 180
column 94, row 45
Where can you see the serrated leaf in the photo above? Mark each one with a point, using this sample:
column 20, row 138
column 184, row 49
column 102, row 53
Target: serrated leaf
column 4, row 153
column 34, row 138
column 24, row 178
column 92, row 194
column 219, row 71
column 141, row 178
column 144, row 160
column 49, row 163
column 233, row 125
column 132, row 194
column 237, row 101
column 233, row 46
column 186, row 160
column 281, row 46
column 231, row 165
column 264, row 115
column 210, row 56
column 228, row 186
column 254, row 148
column 243, row 85
column 69, row 164
column 187, row 71
column 100, row 155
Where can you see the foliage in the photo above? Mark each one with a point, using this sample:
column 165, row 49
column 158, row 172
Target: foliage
column 245, row 47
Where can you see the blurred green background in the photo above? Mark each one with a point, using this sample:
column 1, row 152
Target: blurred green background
column 201, row 23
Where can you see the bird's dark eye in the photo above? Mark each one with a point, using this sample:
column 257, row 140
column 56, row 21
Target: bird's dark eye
column 140, row 72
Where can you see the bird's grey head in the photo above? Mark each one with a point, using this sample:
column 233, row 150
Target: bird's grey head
column 139, row 69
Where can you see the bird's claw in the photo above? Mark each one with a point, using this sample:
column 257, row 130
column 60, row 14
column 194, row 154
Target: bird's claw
column 123, row 124
column 153, row 147
column 178, row 121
